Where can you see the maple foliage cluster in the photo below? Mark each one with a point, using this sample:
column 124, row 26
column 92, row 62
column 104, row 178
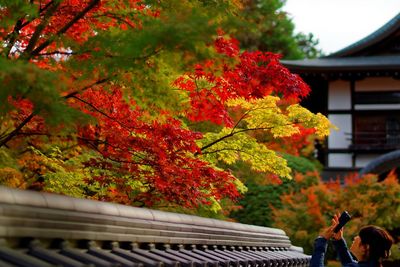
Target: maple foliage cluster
column 163, row 146
column 255, row 75
column 77, row 20
column 71, row 103
column 300, row 144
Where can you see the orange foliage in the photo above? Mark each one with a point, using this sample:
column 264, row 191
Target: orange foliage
column 297, row 144
column 304, row 213
column 11, row 177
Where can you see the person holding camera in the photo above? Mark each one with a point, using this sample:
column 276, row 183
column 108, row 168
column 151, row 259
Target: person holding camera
column 369, row 247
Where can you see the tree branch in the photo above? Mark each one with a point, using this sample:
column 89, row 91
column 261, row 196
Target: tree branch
column 94, row 142
column 39, row 29
column 216, row 141
column 41, row 9
column 75, row 19
column 232, row 134
column 72, row 94
column 155, row 52
column 115, row 16
column 16, row 130
column 241, row 118
column 12, row 37
column 102, row 113
column 57, row 52
column 224, row 149
column 5, row 138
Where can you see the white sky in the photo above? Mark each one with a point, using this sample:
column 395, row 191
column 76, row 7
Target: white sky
column 339, row 23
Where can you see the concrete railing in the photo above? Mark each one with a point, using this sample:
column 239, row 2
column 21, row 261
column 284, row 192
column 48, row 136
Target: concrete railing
column 31, row 220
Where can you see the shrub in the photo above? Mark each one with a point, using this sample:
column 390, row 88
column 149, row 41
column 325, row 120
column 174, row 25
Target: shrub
column 300, row 164
column 260, row 200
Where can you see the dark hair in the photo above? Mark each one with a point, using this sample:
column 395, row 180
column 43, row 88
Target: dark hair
column 378, row 240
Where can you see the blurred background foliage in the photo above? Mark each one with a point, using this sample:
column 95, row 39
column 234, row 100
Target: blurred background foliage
column 305, row 205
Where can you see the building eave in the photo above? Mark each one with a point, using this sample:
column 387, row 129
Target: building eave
column 340, row 65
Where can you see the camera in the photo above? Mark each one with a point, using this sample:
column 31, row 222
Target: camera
column 343, row 219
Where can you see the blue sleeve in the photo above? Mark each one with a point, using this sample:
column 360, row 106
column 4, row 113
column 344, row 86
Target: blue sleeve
column 343, row 252
column 317, row 258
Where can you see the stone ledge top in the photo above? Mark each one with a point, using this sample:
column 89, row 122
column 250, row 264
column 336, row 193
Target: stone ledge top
column 50, row 201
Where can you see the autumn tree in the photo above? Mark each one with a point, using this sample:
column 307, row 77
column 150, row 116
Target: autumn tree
column 110, row 100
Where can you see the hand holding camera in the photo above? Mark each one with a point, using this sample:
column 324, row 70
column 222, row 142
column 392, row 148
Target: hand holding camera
column 343, row 219
column 335, row 230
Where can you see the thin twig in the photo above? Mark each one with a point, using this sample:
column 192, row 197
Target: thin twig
column 92, row 144
column 102, row 113
column 115, row 16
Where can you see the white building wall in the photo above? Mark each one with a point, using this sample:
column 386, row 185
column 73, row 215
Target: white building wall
column 340, row 138
column 339, row 95
column 339, row 99
column 340, row 160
